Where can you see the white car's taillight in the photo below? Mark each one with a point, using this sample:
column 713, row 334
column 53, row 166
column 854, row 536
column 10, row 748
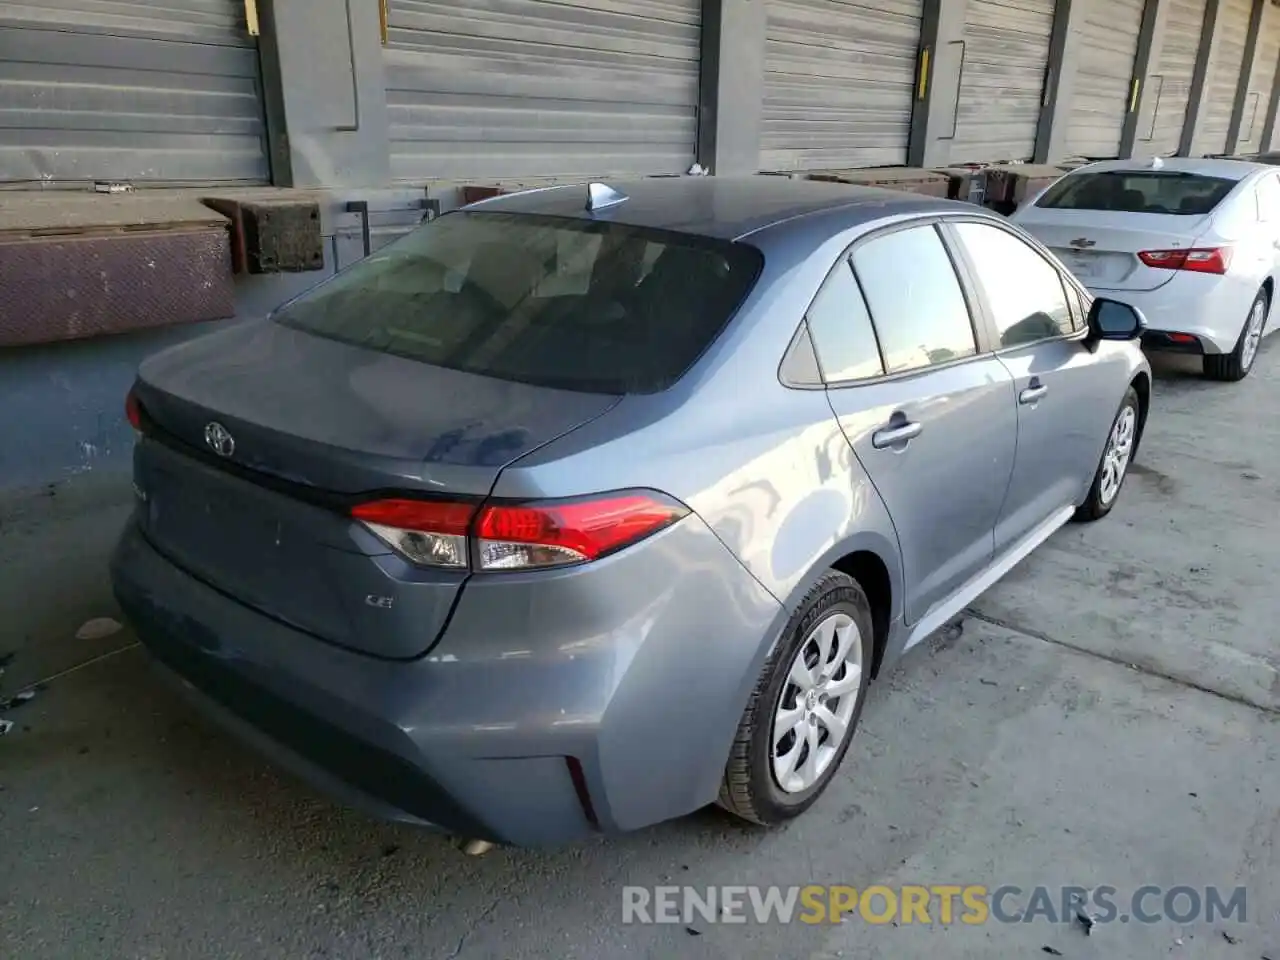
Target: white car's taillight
column 518, row 536
column 1215, row 260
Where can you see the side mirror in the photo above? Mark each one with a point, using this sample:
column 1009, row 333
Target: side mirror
column 1113, row 320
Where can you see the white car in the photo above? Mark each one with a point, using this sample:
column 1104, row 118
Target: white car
column 1194, row 244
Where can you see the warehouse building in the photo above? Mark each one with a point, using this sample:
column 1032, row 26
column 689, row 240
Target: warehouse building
column 167, row 162
column 367, row 93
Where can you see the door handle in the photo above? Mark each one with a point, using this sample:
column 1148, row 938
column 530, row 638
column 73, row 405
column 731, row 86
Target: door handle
column 1033, row 393
column 892, row 436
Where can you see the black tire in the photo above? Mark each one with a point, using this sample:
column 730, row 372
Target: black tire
column 1232, row 367
column 1095, row 507
column 749, row 789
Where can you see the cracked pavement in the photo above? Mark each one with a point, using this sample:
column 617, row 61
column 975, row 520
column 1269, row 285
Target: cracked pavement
column 1108, row 715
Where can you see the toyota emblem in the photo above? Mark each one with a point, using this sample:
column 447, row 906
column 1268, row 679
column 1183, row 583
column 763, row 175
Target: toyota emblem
column 219, row 439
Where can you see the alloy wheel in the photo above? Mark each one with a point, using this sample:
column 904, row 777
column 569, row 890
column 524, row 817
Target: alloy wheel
column 1253, row 334
column 815, row 709
column 1115, row 461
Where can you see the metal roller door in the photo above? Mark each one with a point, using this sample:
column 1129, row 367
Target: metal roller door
column 1170, row 83
column 490, row 89
column 152, row 93
column 1224, row 76
column 1107, row 42
column 1002, row 74
column 839, row 83
column 1261, row 80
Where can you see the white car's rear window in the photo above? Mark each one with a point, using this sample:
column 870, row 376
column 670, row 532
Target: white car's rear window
column 1177, row 193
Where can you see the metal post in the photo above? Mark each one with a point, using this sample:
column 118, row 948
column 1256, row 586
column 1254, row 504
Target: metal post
column 1200, row 79
column 1145, row 87
column 731, row 98
column 1241, row 103
column 937, row 88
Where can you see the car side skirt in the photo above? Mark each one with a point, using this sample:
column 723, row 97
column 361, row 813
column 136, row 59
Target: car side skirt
column 936, row 618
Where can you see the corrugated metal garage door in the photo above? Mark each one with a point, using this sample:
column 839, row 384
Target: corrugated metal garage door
column 1006, row 50
column 1107, row 43
column 1224, row 76
column 1169, row 85
column 153, row 93
column 1261, row 80
column 839, row 82
column 528, row 88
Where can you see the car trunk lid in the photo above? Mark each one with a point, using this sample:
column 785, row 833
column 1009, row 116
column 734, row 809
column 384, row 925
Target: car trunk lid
column 261, row 437
column 1102, row 249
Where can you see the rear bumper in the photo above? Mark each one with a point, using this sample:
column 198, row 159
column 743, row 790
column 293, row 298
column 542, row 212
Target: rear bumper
column 1211, row 309
column 537, row 719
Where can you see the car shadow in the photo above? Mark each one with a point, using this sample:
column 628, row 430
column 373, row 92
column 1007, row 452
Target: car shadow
column 1176, row 367
column 118, row 782
column 1181, row 368
column 133, row 820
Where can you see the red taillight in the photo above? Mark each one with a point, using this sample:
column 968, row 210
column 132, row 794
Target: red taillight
column 428, row 532
column 550, row 534
column 1197, row 259
column 520, row 536
column 427, row 516
column 133, row 410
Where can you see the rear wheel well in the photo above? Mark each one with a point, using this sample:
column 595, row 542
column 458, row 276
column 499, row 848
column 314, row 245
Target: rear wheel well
column 873, row 576
column 1142, row 386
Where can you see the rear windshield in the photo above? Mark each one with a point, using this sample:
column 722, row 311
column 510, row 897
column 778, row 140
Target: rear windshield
column 1138, row 191
column 573, row 304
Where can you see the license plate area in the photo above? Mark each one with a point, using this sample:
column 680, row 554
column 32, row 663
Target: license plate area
column 233, row 540
column 1083, row 265
column 1090, row 265
column 216, row 522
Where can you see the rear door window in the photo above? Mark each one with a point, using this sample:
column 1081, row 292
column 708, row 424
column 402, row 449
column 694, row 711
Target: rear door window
column 1138, row 191
column 916, row 302
column 841, row 329
column 559, row 302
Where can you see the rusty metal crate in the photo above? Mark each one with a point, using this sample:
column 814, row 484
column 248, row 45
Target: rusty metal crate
column 907, row 179
column 967, row 183
column 1008, row 185
column 83, row 285
column 473, row 193
column 272, row 234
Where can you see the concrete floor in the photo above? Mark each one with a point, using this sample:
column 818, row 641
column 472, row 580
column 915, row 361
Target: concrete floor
column 1109, row 715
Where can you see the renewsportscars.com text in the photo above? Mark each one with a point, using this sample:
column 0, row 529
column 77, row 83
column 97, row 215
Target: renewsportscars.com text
column 971, row 904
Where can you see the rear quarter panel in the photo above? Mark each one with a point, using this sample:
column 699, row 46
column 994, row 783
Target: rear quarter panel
column 767, row 467
column 767, row 470
column 1256, row 255
column 774, row 482
column 1212, row 305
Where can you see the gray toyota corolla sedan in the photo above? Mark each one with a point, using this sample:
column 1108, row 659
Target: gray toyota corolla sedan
column 582, row 508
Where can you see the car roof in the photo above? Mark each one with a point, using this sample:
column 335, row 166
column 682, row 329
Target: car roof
column 1207, row 166
column 728, row 208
